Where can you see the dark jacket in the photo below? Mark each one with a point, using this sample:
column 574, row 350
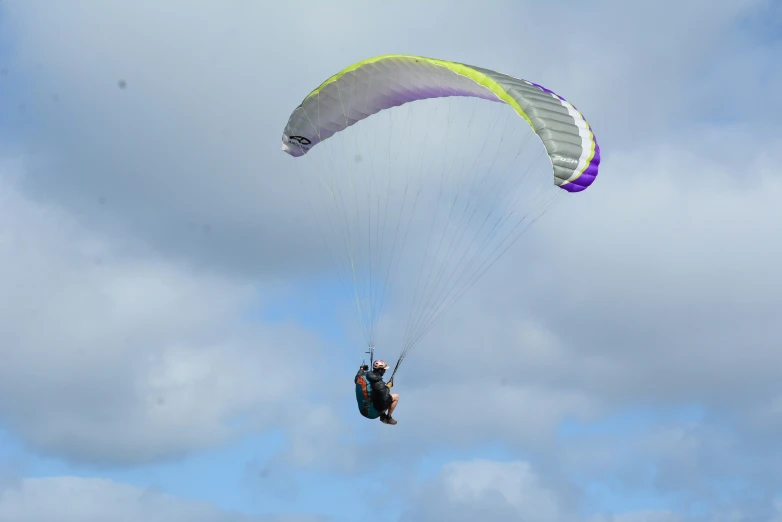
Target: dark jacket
column 381, row 396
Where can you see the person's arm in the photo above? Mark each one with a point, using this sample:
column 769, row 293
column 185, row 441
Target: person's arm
column 380, row 390
column 361, row 370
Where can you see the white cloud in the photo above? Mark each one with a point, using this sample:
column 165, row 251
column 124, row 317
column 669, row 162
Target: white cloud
column 640, row 516
column 486, row 490
column 514, row 491
column 71, row 499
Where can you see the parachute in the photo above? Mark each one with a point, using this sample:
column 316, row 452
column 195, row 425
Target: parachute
column 419, row 184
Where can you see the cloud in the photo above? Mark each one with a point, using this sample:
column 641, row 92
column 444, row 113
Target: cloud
column 700, row 467
column 72, row 499
column 187, row 155
column 153, row 208
column 112, row 354
column 514, row 491
column 649, row 279
column 665, row 307
column 486, row 490
column 640, row 516
column 182, row 156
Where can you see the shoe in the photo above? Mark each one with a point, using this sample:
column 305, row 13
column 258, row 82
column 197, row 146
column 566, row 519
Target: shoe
column 390, row 420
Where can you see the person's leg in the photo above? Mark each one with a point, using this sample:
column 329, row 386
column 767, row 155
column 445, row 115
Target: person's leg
column 395, row 397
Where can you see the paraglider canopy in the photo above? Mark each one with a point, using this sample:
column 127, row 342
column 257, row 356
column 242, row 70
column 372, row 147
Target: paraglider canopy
column 376, row 84
column 451, row 186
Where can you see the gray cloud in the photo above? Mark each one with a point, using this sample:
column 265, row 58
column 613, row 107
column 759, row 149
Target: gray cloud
column 682, row 241
column 113, row 354
column 656, row 288
column 569, row 329
column 148, row 207
column 186, row 155
column 539, row 341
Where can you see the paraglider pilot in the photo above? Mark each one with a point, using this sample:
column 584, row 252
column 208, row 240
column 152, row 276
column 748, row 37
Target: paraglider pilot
column 381, row 396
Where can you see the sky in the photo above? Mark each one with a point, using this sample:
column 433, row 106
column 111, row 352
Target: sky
column 173, row 347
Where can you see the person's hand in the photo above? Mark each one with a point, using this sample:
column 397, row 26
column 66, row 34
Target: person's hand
column 390, row 384
column 365, row 367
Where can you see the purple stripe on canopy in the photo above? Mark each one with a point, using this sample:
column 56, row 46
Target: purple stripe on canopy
column 588, row 176
column 590, row 172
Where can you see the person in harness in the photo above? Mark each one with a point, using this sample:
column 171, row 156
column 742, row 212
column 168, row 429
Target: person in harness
column 374, row 395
